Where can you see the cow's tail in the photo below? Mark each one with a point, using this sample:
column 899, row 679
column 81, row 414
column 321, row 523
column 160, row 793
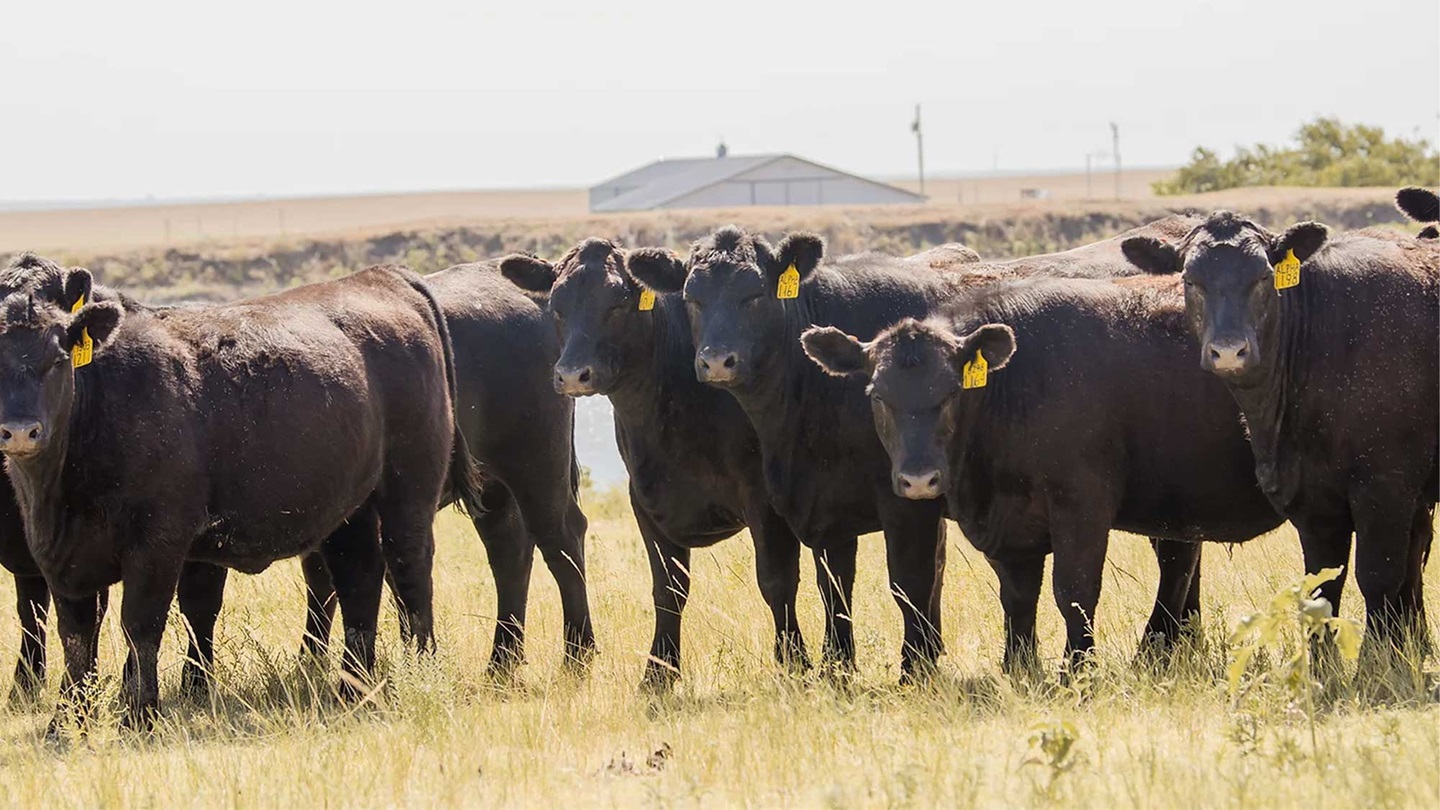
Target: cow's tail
column 464, row 481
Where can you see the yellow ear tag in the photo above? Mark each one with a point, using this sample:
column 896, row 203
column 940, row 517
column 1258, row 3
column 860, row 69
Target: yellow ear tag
column 975, row 373
column 1287, row 272
column 647, row 300
column 83, row 352
column 789, row 286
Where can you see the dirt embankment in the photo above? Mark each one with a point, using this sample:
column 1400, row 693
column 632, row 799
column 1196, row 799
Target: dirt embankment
column 221, row 271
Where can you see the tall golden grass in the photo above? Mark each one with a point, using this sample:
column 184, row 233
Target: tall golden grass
column 738, row 731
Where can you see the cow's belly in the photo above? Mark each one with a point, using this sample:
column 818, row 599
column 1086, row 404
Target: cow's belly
column 251, row 542
column 1006, row 525
column 822, row 510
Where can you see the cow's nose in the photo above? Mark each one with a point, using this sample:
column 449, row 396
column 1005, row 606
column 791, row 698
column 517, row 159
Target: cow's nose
column 716, row 366
column 918, row 486
column 1228, row 355
column 21, row 438
column 575, row 380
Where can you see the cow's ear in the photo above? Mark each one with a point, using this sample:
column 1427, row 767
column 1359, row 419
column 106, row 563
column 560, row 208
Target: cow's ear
column 994, row 340
column 100, row 320
column 79, row 284
column 1151, row 255
column 1420, row 204
column 529, row 273
column 656, row 269
column 803, row 251
column 1304, row 238
column 835, row 352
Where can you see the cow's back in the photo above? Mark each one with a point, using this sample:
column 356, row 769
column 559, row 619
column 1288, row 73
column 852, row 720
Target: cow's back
column 1102, row 259
column 1362, row 375
column 505, row 352
column 301, row 400
column 1100, row 402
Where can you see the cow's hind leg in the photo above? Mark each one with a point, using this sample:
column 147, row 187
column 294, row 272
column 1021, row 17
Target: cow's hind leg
column 558, row 526
column 1422, row 535
column 407, row 540
column 352, row 554
column 201, row 594
column 1080, row 536
column 32, row 605
column 511, row 554
column 1383, row 533
column 1177, row 597
column 320, row 603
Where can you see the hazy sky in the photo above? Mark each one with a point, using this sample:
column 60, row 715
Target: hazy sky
column 177, row 99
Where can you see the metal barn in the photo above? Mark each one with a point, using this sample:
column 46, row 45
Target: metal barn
column 734, row 181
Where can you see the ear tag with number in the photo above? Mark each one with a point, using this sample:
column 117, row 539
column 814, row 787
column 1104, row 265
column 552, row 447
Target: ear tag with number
column 647, row 300
column 83, row 352
column 789, row 286
column 1287, row 272
column 976, row 372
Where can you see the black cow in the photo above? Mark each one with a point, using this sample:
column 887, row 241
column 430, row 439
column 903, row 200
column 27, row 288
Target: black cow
column 201, row 585
column 1328, row 345
column 504, row 351
column 233, row 435
column 1088, row 416
column 1423, row 206
column 520, row 432
column 823, row 465
column 693, row 459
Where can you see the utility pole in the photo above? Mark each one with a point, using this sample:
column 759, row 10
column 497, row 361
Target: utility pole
column 919, row 147
column 1115, row 140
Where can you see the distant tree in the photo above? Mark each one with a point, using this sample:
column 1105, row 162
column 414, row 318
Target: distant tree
column 1327, row 153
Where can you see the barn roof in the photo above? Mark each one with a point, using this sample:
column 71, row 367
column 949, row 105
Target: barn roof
column 666, row 180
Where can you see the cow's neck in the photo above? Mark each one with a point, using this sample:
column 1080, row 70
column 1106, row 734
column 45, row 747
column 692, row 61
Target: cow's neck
column 40, row 486
column 1264, row 401
column 654, row 381
column 775, row 404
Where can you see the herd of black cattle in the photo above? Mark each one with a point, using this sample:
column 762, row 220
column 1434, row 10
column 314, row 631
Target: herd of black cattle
column 1196, row 379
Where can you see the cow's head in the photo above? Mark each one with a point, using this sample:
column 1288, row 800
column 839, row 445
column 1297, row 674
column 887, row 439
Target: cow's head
column 1228, row 265
column 916, row 372
column 29, row 272
column 37, row 379
column 1423, row 206
column 596, row 306
column 732, row 283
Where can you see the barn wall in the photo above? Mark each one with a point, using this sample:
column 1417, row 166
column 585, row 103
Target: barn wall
column 814, row 189
column 600, row 194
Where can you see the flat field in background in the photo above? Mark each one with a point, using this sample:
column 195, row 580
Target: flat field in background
column 738, row 732
column 133, row 226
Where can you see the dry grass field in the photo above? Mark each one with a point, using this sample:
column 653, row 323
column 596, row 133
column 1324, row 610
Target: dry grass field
column 123, row 227
column 738, row 732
